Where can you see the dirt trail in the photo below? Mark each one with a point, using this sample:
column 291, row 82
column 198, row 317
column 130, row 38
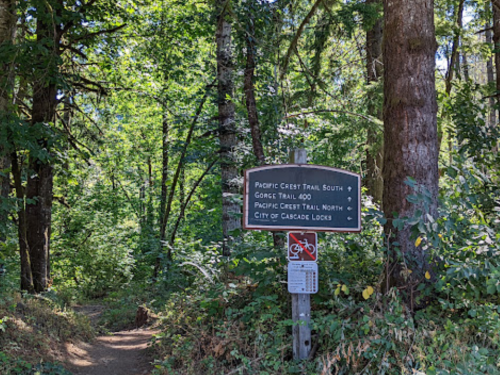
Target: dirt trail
column 121, row 353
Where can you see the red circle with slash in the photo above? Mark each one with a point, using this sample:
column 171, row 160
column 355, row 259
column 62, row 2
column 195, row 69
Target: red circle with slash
column 302, row 247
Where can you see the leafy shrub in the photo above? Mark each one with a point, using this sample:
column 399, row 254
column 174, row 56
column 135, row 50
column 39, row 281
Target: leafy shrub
column 16, row 366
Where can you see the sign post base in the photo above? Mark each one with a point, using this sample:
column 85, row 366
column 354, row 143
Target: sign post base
column 301, row 315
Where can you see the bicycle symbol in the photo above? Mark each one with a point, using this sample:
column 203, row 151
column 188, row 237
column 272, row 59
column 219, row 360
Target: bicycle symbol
column 296, row 249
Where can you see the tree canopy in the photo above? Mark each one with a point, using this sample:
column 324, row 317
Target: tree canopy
column 125, row 128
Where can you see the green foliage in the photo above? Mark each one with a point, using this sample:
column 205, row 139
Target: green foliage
column 16, row 366
column 92, row 252
column 126, row 95
column 475, row 137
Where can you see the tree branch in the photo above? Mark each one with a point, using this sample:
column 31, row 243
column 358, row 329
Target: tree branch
column 183, row 208
column 100, row 32
column 166, row 214
column 297, row 36
column 366, row 117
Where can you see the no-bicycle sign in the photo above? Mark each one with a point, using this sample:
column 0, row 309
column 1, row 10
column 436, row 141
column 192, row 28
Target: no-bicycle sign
column 302, row 247
column 302, row 197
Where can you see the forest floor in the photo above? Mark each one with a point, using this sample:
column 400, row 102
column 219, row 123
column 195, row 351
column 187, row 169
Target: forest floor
column 117, row 353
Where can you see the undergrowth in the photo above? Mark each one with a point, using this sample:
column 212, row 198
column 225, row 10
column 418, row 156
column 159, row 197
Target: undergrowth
column 237, row 320
column 33, row 331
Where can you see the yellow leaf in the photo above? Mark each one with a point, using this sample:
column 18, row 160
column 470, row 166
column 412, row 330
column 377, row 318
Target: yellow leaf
column 345, row 289
column 367, row 292
column 337, row 291
column 366, row 295
column 427, row 275
column 440, row 235
column 418, row 241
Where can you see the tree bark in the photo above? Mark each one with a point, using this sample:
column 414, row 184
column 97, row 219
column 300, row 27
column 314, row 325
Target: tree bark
column 496, row 40
column 40, row 180
column 491, row 77
column 375, row 148
column 7, row 33
column 227, row 129
column 410, row 127
column 24, row 252
column 164, row 176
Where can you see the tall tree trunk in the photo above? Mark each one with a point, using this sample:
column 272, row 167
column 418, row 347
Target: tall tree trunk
column 465, row 66
column 227, row 129
column 375, row 150
column 163, row 216
column 490, row 75
column 410, row 127
column 26, row 275
column 454, row 66
column 182, row 186
column 454, row 58
column 150, row 212
column 40, row 180
column 173, row 186
column 7, row 32
column 164, row 175
column 496, row 41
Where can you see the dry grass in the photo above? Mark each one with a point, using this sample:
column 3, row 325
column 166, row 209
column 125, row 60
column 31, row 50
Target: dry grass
column 35, row 329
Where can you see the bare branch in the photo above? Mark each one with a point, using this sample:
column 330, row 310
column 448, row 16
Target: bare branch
column 100, row 32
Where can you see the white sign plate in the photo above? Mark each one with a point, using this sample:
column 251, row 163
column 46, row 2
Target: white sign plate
column 303, row 277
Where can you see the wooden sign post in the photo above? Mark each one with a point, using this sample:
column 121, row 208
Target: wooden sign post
column 302, row 198
column 301, row 303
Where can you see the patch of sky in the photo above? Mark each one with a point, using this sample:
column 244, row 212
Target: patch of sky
column 441, row 59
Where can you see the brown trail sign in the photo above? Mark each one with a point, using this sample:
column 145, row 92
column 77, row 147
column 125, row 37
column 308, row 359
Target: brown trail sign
column 302, row 247
column 303, row 198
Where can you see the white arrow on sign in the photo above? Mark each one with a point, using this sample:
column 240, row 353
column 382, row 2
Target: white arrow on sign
column 349, row 199
column 349, row 188
column 349, row 218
